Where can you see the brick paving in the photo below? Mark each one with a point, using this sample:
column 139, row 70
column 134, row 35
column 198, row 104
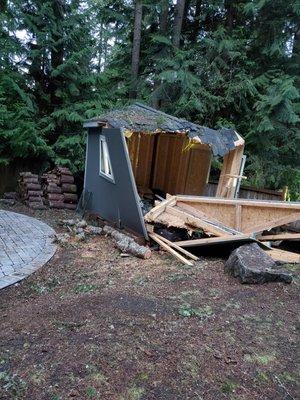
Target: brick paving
column 26, row 244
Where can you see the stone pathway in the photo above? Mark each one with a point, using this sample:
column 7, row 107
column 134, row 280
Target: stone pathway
column 25, row 245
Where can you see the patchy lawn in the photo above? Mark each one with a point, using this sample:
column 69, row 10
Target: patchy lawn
column 93, row 325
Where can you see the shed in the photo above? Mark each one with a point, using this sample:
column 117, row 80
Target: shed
column 136, row 149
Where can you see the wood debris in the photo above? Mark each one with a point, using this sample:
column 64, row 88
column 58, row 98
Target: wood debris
column 221, row 221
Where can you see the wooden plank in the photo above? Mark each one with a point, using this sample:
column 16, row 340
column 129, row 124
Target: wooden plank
column 284, row 256
column 197, row 222
column 157, row 210
column 206, row 241
column 166, row 247
column 175, row 246
column 283, row 236
column 253, row 203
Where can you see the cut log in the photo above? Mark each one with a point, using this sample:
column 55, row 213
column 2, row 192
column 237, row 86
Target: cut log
column 62, row 171
column 127, row 244
column 56, row 204
column 55, row 197
column 35, row 193
column 66, row 179
column 30, row 180
column 53, row 189
column 68, row 188
column 70, row 197
column 70, row 206
column 33, row 186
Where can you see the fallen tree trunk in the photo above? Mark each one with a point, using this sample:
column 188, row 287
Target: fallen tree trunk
column 126, row 244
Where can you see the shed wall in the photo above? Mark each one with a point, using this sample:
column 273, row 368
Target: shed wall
column 166, row 162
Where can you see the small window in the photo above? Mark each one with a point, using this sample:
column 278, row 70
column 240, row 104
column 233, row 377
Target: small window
column 105, row 165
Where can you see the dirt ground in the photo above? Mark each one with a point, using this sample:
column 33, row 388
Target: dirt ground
column 93, row 325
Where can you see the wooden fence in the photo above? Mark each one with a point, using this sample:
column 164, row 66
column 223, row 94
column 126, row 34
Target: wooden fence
column 247, row 192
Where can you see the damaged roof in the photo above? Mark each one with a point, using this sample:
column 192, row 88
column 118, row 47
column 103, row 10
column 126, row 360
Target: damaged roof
column 141, row 118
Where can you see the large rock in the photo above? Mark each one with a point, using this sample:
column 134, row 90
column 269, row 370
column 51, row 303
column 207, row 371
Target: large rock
column 252, row 265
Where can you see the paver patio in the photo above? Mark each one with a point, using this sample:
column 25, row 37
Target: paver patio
column 25, row 245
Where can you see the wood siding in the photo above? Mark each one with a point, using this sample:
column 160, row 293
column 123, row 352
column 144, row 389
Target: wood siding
column 175, row 168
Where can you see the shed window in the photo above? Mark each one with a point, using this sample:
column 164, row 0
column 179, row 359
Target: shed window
column 105, row 165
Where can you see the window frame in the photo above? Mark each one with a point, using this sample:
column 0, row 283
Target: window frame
column 103, row 152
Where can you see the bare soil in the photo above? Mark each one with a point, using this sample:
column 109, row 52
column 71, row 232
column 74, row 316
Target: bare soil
column 93, row 325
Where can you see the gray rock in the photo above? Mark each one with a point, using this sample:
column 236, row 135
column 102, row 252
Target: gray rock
column 81, row 224
column 62, row 238
column 80, row 236
column 93, row 230
column 252, row 265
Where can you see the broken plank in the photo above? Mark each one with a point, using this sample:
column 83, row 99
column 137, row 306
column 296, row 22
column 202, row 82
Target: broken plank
column 284, row 256
column 166, row 247
column 157, row 210
column 175, row 246
column 283, row 236
column 205, row 241
column 196, row 221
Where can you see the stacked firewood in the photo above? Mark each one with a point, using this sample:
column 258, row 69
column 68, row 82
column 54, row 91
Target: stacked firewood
column 31, row 191
column 59, row 188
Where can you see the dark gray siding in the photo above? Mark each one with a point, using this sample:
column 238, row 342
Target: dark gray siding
column 114, row 201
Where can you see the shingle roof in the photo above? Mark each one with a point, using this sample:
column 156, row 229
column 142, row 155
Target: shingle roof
column 141, row 118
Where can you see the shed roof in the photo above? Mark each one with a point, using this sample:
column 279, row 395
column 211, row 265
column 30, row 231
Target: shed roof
column 141, row 118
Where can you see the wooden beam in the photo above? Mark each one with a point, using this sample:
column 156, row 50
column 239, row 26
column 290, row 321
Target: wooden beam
column 283, row 236
column 157, row 210
column 253, row 203
column 284, row 256
column 205, row 241
column 166, row 247
column 175, row 246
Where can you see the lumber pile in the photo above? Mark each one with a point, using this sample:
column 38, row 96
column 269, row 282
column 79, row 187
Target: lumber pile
column 59, row 188
column 30, row 191
column 220, row 221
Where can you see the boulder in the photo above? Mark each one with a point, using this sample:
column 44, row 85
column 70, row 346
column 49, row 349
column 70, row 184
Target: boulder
column 252, row 265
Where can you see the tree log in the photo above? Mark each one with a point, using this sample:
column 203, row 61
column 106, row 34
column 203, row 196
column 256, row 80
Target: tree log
column 33, row 186
column 66, row 179
column 56, row 204
column 127, row 244
column 30, row 180
column 35, row 193
column 56, row 197
column 68, row 188
column 70, row 206
column 70, row 197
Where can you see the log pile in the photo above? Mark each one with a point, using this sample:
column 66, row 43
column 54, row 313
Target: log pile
column 59, row 188
column 31, row 191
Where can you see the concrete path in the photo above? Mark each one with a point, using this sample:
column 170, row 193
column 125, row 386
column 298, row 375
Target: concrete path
column 25, row 245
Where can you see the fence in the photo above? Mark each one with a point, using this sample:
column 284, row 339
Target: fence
column 247, row 192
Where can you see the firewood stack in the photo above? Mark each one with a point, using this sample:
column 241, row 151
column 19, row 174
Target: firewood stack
column 59, row 188
column 31, row 191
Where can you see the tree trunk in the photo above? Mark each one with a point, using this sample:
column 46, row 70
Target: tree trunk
column 179, row 10
column 197, row 21
column 163, row 17
column 135, row 60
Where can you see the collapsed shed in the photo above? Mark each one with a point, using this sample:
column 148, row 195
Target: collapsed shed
column 138, row 148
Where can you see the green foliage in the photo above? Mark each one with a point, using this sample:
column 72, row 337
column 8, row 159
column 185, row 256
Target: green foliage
column 238, row 66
